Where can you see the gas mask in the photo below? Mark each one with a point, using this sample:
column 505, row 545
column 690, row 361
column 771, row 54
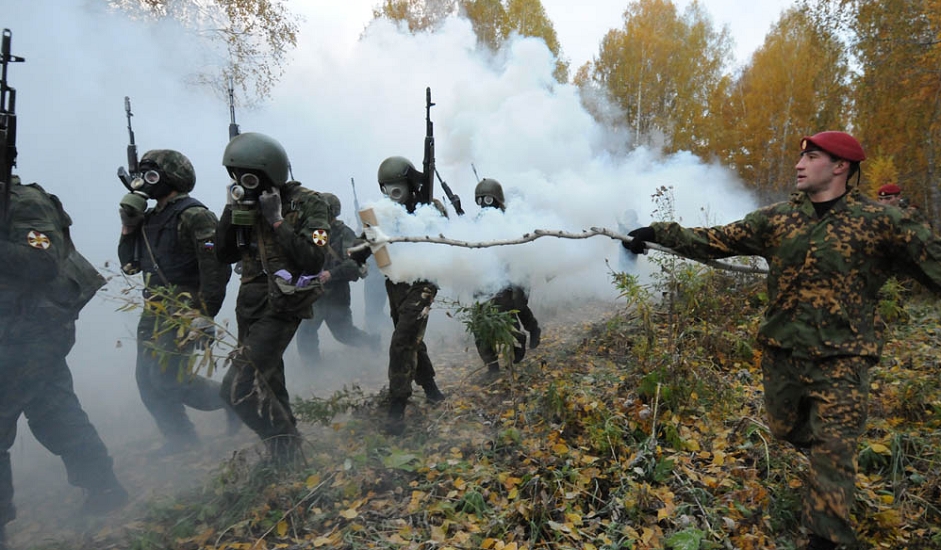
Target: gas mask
column 399, row 192
column 487, row 200
column 151, row 182
column 244, row 190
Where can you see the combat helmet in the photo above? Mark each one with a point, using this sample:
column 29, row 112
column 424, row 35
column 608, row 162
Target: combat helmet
column 398, row 179
column 173, row 168
column 333, row 203
column 396, row 170
column 489, row 193
column 254, row 151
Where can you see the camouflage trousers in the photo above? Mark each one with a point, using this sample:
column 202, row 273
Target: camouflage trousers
column 508, row 299
column 333, row 308
column 254, row 385
column 409, row 306
column 821, row 405
column 35, row 381
column 166, row 384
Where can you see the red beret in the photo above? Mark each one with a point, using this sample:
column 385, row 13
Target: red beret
column 838, row 144
column 889, row 189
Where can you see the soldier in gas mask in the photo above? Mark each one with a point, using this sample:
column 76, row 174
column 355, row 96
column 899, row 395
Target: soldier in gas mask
column 489, row 194
column 409, row 305
column 184, row 287
column 279, row 231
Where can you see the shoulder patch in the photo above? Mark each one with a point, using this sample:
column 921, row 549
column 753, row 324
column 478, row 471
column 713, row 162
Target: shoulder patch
column 320, row 237
column 38, row 240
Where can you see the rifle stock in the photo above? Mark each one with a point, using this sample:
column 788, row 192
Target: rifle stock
column 7, row 124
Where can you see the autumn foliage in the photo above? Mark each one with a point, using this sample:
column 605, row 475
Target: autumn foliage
column 641, row 428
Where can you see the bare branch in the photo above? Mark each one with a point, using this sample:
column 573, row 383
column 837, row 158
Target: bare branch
column 538, row 233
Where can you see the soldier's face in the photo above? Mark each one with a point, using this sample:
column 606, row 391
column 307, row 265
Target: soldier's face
column 815, row 172
column 890, row 199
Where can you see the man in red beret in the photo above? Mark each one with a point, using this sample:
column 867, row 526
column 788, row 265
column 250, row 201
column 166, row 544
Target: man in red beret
column 890, row 194
column 829, row 251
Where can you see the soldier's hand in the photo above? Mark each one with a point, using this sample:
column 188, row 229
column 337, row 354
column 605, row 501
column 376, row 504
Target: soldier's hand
column 639, row 239
column 370, row 234
column 202, row 331
column 131, row 209
column 130, row 218
column 360, row 256
column 325, row 276
column 270, row 205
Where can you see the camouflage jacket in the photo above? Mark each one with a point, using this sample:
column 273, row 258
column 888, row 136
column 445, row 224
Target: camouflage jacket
column 32, row 245
column 299, row 244
column 194, row 239
column 824, row 272
column 43, row 278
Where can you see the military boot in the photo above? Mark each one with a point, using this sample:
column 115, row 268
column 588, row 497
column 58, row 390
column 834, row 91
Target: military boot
column 432, row 393
column 3, row 537
column 493, row 367
column 395, row 424
column 819, row 543
column 107, row 498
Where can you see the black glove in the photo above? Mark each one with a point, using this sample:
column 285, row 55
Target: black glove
column 360, row 256
column 131, row 217
column 270, row 205
column 639, row 239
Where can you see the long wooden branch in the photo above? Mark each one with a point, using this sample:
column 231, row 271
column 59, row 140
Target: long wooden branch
column 538, row 233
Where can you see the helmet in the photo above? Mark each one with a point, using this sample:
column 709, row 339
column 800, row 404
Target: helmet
column 395, row 170
column 333, row 202
column 255, row 151
column 174, row 166
column 491, row 188
column 839, row 144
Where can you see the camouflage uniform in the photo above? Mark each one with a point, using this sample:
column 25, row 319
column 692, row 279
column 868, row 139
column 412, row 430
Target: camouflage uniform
column 819, row 334
column 35, row 338
column 409, row 306
column 511, row 298
column 184, row 256
column 334, row 306
column 299, row 246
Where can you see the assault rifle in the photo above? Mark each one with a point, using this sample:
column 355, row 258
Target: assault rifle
column 7, row 125
column 426, row 193
column 233, row 127
column 128, row 175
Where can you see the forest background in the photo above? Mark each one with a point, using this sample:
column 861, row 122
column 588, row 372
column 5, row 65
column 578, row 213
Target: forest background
column 863, row 66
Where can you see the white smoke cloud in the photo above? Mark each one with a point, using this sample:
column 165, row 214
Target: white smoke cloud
column 351, row 96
